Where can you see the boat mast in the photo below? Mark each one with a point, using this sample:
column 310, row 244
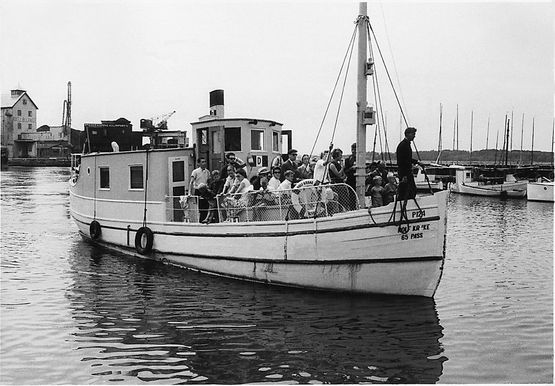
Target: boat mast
column 532, row 153
column 487, row 136
column 361, row 102
column 471, row 130
column 439, row 144
column 521, row 136
column 507, row 142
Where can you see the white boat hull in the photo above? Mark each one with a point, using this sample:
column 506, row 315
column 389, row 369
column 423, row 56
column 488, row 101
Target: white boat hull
column 507, row 189
column 345, row 252
column 540, row 191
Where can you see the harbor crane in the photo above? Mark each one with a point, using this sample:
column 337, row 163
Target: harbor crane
column 156, row 123
column 66, row 113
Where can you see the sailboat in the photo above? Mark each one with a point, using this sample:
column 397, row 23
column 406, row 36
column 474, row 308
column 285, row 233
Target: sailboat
column 308, row 237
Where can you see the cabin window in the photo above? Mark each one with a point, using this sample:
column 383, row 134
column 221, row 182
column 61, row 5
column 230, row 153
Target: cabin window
column 232, row 139
column 216, row 145
column 178, row 171
column 204, row 137
column 257, row 139
column 275, row 141
column 104, row 177
column 136, row 177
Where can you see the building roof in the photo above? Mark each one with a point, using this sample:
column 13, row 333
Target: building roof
column 254, row 120
column 9, row 100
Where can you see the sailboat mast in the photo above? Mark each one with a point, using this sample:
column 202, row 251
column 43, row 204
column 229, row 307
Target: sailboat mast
column 532, row 153
column 439, row 144
column 471, row 130
column 521, row 136
column 361, row 102
column 487, row 136
column 507, row 142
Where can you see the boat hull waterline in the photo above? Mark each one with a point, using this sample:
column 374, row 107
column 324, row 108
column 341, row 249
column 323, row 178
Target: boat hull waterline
column 348, row 252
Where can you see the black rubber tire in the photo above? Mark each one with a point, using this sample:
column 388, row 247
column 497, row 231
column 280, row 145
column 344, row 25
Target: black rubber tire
column 143, row 240
column 95, row 230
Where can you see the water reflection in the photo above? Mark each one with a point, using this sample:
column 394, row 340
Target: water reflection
column 139, row 320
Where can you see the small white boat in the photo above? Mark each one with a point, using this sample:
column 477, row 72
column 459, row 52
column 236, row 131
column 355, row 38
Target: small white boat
column 134, row 202
column 464, row 184
column 541, row 190
column 423, row 185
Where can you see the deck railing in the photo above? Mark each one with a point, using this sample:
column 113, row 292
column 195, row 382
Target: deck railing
column 304, row 201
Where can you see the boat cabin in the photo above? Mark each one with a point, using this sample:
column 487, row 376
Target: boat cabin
column 258, row 142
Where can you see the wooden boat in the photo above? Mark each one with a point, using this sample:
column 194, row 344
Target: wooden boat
column 541, row 190
column 314, row 236
column 465, row 184
column 434, row 182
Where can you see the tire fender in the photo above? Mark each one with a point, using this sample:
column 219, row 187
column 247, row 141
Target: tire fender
column 95, row 230
column 143, row 240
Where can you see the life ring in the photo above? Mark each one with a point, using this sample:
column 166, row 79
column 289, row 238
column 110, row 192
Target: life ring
column 95, row 230
column 143, row 240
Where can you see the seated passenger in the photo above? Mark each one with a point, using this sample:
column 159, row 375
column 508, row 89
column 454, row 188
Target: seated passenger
column 376, row 192
column 390, row 189
column 207, row 194
column 243, row 185
column 287, row 183
column 304, row 171
column 230, row 180
column 274, row 181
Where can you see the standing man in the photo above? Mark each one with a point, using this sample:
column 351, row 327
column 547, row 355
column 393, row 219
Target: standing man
column 407, row 186
column 200, row 176
column 290, row 164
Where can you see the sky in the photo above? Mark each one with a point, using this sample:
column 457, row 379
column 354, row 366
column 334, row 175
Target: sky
column 280, row 60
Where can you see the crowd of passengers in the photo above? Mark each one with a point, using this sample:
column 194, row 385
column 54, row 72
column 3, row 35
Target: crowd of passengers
column 232, row 182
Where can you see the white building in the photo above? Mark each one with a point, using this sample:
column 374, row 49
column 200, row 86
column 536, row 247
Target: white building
column 19, row 118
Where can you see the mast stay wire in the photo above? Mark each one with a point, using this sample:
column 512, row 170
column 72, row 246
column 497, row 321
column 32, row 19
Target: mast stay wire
column 391, row 52
column 369, row 26
column 349, row 48
column 388, row 75
column 379, row 106
column 342, row 93
column 378, row 98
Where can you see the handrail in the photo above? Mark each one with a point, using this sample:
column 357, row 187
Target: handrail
column 308, row 201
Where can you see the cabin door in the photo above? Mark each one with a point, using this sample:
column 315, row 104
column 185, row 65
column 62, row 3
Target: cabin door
column 178, row 179
column 210, row 146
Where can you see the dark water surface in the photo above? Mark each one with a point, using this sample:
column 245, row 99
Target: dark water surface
column 74, row 313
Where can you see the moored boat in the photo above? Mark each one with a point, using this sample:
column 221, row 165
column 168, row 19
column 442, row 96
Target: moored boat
column 541, row 190
column 315, row 235
column 508, row 186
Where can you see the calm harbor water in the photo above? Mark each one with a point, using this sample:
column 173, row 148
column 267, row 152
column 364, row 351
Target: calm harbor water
column 74, row 313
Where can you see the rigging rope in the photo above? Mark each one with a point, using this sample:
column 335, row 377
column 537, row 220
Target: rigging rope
column 388, row 75
column 349, row 48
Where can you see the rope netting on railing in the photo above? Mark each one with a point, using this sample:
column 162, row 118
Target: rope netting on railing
column 268, row 205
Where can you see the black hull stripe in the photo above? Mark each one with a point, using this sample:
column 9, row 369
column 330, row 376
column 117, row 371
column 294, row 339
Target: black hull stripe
column 275, row 234
column 273, row 261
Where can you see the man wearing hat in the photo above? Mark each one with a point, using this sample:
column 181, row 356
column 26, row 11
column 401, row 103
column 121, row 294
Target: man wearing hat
column 407, row 186
column 290, row 164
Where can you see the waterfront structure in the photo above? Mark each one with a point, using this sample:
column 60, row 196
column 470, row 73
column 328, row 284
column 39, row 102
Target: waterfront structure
column 259, row 142
column 315, row 235
column 19, row 118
